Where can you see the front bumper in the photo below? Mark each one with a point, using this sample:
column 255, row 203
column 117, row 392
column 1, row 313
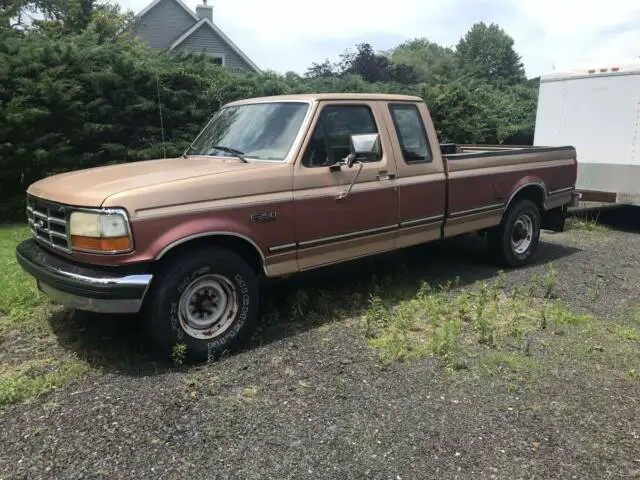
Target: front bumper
column 83, row 287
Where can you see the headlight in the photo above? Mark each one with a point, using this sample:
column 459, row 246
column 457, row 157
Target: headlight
column 101, row 231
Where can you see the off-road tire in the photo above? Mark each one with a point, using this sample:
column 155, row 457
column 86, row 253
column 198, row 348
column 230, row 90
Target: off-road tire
column 168, row 329
column 499, row 238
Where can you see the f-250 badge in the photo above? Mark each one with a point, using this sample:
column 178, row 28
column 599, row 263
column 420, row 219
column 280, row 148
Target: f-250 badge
column 263, row 217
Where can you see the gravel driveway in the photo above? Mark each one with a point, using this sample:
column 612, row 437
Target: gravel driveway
column 309, row 399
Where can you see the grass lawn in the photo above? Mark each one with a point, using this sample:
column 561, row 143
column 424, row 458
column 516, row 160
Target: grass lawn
column 19, row 297
column 31, row 361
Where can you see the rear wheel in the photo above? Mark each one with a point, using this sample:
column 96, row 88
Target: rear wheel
column 202, row 304
column 515, row 241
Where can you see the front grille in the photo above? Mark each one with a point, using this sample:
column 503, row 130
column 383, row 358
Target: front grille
column 48, row 222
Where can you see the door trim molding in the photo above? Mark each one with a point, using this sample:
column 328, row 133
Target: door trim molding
column 281, row 248
column 347, row 236
column 359, row 233
column 333, row 238
column 475, row 211
column 421, row 221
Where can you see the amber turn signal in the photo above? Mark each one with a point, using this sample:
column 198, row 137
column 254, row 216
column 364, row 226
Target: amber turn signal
column 114, row 244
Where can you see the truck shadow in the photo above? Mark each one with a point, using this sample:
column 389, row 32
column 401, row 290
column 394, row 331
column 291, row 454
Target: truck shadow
column 298, row 303
column 111, row 343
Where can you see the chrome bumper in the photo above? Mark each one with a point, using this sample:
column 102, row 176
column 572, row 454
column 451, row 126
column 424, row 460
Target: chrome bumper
column 83, row 287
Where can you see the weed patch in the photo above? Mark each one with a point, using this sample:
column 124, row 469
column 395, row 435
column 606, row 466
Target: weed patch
column 586, row 221
column 444, row 343
column 178, row 353
column 625, row 332
column 32, row 379
column 587, row 226
column 495, row 363
column 450, row 324
column 559, row 314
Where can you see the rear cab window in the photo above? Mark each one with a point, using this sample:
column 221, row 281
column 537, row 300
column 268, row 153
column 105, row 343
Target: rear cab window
column 331, row 138
column 411, row 133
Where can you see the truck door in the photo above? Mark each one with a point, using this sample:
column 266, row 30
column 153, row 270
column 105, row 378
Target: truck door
column 330, row 229
column 421, row 178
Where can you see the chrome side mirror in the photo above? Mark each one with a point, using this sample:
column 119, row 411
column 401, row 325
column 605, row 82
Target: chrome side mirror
column 364, row 146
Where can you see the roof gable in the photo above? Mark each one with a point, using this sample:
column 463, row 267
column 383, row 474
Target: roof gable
column 198, row 23
column 180, row 3
column 206, row 23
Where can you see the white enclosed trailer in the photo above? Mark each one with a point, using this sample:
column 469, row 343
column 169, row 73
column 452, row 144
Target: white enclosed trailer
column 596, row 110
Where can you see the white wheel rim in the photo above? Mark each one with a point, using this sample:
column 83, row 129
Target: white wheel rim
column 522, row 234
column 208, row 306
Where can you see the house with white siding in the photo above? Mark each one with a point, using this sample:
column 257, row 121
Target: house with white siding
column 172, row 25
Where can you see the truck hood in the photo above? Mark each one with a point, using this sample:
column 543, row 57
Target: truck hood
column 91, row 187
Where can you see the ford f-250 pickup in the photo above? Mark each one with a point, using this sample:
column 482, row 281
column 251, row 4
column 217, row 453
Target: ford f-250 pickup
column 273, row 186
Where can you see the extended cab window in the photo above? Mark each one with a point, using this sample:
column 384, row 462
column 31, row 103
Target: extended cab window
column 411, row 133
column 331, row 137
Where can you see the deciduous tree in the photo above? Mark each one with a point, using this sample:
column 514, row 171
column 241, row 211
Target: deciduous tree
column 487, row 52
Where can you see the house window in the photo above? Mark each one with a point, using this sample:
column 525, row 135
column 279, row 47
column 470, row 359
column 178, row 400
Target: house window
column 331, row 140
column 218, row 61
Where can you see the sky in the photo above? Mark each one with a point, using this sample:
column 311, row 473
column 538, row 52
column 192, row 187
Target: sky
column 284, row 35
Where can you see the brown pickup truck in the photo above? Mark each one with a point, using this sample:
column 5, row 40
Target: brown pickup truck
column 273, row 186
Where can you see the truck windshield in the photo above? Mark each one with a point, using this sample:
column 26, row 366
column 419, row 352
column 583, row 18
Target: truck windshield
column 260, row 131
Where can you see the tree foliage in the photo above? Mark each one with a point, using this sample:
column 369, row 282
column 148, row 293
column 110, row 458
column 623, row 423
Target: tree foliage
column 366, row 63
column 431, row 62
column 488, row 53
column 76, row 91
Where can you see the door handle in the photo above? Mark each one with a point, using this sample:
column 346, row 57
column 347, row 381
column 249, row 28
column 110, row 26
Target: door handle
column 385, row 176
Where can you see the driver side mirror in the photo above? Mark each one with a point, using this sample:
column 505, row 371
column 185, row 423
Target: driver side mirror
column 365, row 146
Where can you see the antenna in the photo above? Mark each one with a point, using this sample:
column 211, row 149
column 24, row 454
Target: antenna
column 164, row 150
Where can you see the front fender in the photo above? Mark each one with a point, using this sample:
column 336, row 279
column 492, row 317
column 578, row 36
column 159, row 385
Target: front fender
column 156, row 237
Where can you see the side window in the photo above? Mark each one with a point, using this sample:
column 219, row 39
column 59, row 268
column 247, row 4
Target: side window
column 331, row 139
column 411, row 133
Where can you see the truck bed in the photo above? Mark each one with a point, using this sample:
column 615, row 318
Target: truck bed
column 453, row 151
column 482, row 179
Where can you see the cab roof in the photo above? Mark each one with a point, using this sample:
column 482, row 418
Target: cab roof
column 313, row 97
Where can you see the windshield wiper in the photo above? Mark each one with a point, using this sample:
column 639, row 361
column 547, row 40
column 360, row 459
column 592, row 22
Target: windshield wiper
column 184, row 154
column 232, row 151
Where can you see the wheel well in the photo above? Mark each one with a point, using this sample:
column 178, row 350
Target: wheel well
column 241, row 247
column 535, row 193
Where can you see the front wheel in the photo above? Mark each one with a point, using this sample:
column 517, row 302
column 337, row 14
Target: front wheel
column 202, row 304
column 514, row 242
